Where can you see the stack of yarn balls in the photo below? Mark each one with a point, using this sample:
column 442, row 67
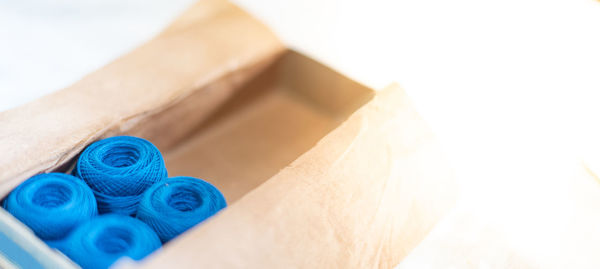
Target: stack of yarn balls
column 119, row 202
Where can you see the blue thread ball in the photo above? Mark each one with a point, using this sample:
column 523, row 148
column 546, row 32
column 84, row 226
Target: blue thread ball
column 176, row 204
column 100, row 242
column 119, row 169
column 52, row 204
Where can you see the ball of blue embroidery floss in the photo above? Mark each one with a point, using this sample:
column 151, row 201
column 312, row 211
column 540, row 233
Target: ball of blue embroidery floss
column 101, row 241
column 176, row 204
column 119, row 169
column 52, row 204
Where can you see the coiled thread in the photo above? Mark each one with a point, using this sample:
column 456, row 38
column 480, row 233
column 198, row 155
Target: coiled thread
column 52, row 204
column 119, row 169
column 176, row 204
column 101, row 241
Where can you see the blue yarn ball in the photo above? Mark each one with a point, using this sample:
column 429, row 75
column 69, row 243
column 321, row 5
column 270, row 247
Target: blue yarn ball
column 119, row 169
column 100, row 242
column 52, row 204
column 176, row 204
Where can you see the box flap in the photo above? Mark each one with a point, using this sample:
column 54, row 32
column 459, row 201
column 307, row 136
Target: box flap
column 206, row 53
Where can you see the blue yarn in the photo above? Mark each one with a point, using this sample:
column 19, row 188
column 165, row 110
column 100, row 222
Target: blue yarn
column 119, row 169
column 176, row 204
column 100, row 242
column 52, row 204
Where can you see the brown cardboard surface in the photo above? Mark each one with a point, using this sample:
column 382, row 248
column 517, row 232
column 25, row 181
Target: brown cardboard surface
column 362, row 197
column 196, row 64
column 252, row 146
column 271, row 122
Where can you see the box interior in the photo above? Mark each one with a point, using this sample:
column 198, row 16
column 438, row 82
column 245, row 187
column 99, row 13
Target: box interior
column 274, row 118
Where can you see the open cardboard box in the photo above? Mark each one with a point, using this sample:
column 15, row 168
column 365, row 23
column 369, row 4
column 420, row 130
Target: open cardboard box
column 318, row 170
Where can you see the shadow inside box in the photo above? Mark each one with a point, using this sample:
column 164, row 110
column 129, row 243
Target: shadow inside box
column 275, row 118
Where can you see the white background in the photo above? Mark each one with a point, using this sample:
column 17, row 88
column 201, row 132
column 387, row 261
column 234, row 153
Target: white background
column 511, row 87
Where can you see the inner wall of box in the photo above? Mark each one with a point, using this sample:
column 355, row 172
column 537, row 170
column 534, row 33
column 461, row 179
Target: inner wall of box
column 273, row 119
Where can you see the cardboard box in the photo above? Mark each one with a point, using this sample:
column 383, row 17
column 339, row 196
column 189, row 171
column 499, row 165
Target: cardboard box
column 318, row 170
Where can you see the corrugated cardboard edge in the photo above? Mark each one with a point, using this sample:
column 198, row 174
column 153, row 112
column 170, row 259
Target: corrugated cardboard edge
column 363, row 197
column 213, row 43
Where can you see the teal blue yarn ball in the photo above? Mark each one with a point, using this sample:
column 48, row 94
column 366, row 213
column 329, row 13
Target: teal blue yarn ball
column 101, row 241
column 51, row 205
column 119, row 169
column 176, row 204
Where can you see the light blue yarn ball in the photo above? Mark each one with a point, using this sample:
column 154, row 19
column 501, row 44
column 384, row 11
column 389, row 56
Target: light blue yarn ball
column 100, row 242
column 52, row 204
column 176, row 204
column 119, row 169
